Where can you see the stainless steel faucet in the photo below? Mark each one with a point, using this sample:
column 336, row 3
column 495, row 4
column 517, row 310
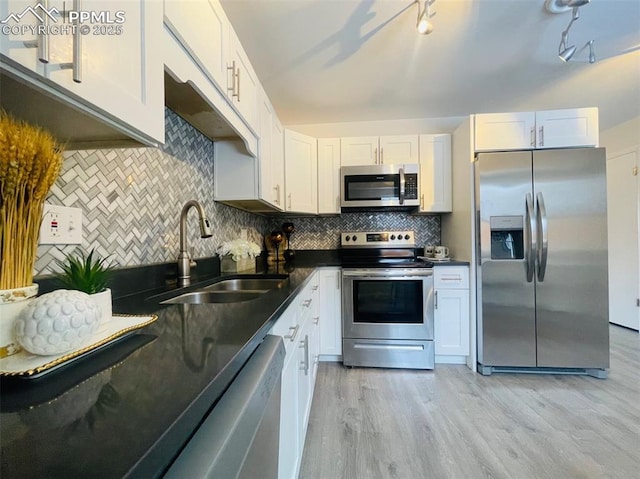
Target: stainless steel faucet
column 184, row 261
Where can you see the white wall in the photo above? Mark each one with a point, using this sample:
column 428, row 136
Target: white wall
column 621, row 137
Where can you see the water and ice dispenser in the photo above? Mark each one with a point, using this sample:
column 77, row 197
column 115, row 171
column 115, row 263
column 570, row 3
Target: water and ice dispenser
column 507, row 239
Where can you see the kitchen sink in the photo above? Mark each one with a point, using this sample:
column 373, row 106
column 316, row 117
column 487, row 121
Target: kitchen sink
column 247, row 285
column 233, row 290
column 204, row 297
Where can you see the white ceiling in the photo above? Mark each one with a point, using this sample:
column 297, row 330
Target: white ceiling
column 325, row 61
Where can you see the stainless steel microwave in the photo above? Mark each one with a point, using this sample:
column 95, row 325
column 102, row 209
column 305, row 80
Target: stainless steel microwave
column 374, row 186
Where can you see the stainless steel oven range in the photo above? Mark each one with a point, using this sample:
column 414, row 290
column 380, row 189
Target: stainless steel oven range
column 387, row 301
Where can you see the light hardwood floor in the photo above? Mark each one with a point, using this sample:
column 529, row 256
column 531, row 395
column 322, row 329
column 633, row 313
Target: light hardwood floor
column 452, row 423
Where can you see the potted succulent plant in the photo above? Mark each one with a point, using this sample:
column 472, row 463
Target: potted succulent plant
column 30, row 162
column 89, row 273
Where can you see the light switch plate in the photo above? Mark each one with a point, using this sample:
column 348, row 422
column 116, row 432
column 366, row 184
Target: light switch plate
column 61, row 225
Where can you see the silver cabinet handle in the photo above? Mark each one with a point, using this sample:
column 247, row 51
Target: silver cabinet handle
column 435, row 296
column 277, row 199
column 543, row 241
column 291, row 337
column 304, row 344
column 238, row 79
column 541, row 136
column 307, row 303
column 235, row 80
column 42, row 41
column 316, row 319
column 381, row 155
column 422, row 201
column 533, row 136
column 375, row 156
column 403, row 185
column 314, row 288
column 289, row 196
column 530, row 239
column 76, row 62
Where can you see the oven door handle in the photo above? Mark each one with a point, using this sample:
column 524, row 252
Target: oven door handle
column 403, row 185
column 384, row 274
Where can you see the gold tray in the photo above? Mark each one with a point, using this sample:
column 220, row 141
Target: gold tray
column 29, row 365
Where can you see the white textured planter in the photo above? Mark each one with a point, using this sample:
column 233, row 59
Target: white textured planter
column 103, row 301
column 12, row 302
column 57, row 322
column 229, row 265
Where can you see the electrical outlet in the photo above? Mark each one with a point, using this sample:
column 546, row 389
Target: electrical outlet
column 61, row 225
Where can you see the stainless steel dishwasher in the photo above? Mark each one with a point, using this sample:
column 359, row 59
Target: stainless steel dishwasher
column 240, row 437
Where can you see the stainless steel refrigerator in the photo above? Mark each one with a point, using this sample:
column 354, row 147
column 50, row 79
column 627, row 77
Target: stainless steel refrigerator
column 542, row 247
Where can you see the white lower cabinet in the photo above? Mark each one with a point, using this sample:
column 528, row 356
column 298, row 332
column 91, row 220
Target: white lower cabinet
column 299, row 328
column 451, row 313
column 330, row 313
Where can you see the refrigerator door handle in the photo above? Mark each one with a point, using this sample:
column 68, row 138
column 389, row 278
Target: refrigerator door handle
column 543, row 240
column 530, row 239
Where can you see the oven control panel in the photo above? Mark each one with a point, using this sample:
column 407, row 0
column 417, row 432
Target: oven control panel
column 378, row 239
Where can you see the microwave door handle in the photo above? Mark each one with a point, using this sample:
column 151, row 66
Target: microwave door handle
column 403, row 184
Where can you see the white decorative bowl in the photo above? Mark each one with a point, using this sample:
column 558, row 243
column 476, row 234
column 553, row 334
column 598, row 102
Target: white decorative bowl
column 57, row 322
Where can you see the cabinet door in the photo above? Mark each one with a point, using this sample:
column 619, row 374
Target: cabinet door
column 435, row 174
column 277, row 162
column 328, row 175
column 242, row 82
column 117, row 69
column 304, row 382
column 202, row 28
column 399, row 149
column 290, row 450
column 565, row 128
column 267, row 186
column 13, row 44
column 505, row 131
column 451, row 326
column 359, row 151
column 331, row 312
column 301, row 172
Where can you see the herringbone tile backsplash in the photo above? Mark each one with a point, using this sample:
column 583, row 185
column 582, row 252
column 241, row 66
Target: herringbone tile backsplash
column 324, row 232
column 132, row 197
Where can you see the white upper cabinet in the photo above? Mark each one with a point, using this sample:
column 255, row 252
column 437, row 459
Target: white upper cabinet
column 401, row 149
column 301, row 173
column 562, row 128
column 242, row 82
column 435, row 174
column 202, row 27
column 328, row 176
column 374, row 150
column 359, row 151
column 536, row 130
column 111, row 70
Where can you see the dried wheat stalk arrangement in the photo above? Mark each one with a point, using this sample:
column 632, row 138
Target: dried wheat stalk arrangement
column 30, row 162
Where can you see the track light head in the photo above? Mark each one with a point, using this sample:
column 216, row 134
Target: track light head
column 566, row 54
column 423, row 25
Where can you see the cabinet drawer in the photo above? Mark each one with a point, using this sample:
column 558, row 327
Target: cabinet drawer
column 451, row 277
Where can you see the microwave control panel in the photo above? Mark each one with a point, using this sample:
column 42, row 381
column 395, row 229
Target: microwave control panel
column 411, row 186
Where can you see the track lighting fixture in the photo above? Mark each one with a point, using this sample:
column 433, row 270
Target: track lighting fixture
column 424, row 26
column 565, row 50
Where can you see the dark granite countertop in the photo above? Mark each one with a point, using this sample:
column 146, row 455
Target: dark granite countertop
column 129, row 409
